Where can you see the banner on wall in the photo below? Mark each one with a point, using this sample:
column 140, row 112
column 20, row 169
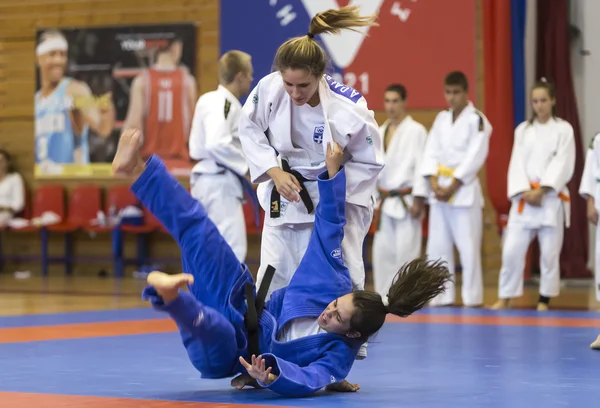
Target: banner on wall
column 93, row 82
column 416, row 44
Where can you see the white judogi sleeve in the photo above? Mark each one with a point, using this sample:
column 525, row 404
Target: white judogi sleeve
column 587, row 187
column 562, row 166
column 420, row 188
column 366, row 149
column 518, row 181
column 432, row 152
column 254, row 122
column 214, row 133
column 477, row 150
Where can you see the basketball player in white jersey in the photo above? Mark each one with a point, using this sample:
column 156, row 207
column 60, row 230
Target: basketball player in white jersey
column 65, row 109
column 218, row 179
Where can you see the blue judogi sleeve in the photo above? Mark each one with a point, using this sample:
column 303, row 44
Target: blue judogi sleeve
column 320, row 278
column 295, row 381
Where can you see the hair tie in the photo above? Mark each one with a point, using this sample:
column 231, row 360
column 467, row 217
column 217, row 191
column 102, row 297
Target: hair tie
column 310, row 35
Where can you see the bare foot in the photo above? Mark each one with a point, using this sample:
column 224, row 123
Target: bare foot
column 242, row 380
column 343, row 386
column 596, row 344
column 167, row 286
column 501, row 304
column 542, row 307
column 127, row 161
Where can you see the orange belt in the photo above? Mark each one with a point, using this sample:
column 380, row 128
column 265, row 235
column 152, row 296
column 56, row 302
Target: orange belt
column 536, row 186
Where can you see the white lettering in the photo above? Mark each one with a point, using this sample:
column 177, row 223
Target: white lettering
column 133, row 45
column 286, row 15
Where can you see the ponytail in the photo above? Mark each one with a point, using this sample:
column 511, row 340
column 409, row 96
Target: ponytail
column 305, row 53
column 416, row 283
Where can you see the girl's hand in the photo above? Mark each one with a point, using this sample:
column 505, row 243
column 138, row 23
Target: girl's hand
column 333, row 158
column 257, row 370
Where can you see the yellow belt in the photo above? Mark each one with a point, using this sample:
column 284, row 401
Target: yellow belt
column 446, row 172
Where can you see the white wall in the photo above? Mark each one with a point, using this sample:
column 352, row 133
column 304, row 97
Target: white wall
column 586, row 72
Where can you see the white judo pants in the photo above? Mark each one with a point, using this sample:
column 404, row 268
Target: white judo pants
column 222, row 195
column 516, row 241
column 597, row 263
column 397, row 242
column 461, row 226
column 284, row 246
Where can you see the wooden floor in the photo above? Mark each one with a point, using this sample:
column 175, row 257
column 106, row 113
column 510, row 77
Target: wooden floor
column 58, row 294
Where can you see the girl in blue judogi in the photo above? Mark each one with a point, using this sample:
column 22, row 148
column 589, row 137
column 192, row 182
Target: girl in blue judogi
column 310, row 331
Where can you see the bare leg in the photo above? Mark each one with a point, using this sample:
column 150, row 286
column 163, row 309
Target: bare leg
column 127, row 161
column 167, row 286
column 596, row 344
column 343, row 386
column 501, row 304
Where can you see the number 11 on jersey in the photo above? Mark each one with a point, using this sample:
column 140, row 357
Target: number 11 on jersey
column 165, row 106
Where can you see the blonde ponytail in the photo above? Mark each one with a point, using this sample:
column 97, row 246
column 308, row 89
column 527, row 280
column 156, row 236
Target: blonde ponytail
column 305, row 53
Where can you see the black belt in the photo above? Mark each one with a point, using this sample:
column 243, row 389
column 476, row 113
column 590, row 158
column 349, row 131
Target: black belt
column 304, row 196
column 255, row 310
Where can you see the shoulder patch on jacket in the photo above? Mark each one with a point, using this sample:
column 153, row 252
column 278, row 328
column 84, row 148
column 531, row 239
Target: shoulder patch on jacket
column 343, row 90
column 592, row 141
column 227, row 107
column 481, row 121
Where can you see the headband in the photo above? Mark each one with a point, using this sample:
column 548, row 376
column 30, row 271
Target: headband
column 52, row 44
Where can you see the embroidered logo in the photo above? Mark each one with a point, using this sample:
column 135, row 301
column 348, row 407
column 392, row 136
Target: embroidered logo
column 332, row 379
column 199, row 319
column 318, row 134
column 227, row 108
column 336, row 253
column 370, row 140
column 255, row 99
column 343, row 90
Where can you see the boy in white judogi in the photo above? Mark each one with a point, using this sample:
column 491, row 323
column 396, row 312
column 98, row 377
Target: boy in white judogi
column 217, row 180
column 590, row 190
column 456, row 149
column 402, row 191
column 541, row 164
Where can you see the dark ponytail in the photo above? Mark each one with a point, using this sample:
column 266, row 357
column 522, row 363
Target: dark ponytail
column 416, row 283
column 544, row 84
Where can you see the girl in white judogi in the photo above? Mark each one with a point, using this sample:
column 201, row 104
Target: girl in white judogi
column 590, row 190
column 285, row 126
column 402, row 191
column 541, row 164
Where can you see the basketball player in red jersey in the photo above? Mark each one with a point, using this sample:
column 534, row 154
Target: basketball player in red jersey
column 161, row 102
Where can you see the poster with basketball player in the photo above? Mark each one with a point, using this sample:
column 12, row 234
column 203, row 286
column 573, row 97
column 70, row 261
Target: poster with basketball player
column 93, row 82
